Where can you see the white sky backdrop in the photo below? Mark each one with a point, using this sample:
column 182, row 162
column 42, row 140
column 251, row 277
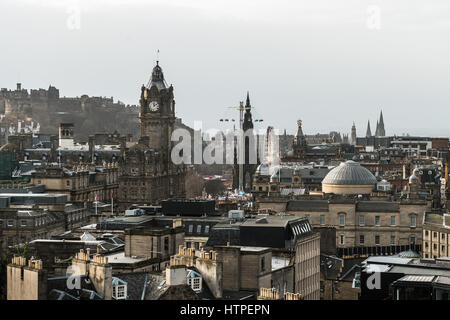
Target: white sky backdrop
column 318, row 61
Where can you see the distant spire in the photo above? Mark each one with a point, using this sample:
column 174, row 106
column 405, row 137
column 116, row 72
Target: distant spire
column 247, row 102
column 381, row 132
column 299, row 137
column 368, row 132
column 248, row 122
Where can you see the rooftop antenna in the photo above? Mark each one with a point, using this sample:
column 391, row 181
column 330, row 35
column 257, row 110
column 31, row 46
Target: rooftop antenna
column 157, row 56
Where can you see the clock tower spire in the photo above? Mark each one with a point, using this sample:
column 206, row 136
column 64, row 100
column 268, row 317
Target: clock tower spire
column 157, row 112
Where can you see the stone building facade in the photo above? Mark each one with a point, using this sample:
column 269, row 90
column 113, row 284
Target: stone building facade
column 26, row 217
column 147, row 173
column 154, row 241
column 307, row 266
column 81, row 183
column 436, row 235
column 367, row 227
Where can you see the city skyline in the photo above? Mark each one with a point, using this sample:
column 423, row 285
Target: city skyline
column 321, row 63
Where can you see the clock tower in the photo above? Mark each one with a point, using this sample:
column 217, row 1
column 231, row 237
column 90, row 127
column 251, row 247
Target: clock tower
column 147, row 174
column 157, row 112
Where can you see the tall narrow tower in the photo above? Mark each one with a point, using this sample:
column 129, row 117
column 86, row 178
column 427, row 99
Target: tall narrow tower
column 368, row 132
column 381, row 131
column 353, row 135
column 299, row 146
column 243, row 172
column 157, row 112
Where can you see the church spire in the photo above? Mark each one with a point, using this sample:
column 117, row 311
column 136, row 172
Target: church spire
column 368, row 132
column 381, row 132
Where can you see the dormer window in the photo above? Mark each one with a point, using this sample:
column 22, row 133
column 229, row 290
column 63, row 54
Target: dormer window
column 119, row 289
column 194, row 280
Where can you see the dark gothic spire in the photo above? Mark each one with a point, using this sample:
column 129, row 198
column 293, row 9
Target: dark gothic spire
column 248, row 122
column 381, row 132
column 300, row 139
column 368, row 132
column 247, row 103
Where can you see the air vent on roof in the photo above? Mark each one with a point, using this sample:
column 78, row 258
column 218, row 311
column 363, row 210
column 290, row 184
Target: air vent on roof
column 261, row 220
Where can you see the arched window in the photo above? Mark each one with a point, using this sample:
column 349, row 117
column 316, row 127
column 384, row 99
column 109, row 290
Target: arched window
column 341, row 217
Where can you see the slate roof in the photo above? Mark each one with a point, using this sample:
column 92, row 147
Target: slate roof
column 136, row 284
column 271, row 221
column 181, row 292
column 58, row 290
column 223, row 233
column 331, row 266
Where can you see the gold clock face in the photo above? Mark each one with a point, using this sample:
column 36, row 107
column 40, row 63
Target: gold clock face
column 154, row 106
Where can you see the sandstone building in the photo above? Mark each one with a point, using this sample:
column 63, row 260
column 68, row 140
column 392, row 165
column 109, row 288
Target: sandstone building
column 147, row 173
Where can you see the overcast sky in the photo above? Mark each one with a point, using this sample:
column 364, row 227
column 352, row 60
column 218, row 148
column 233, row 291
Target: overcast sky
column 326, row 62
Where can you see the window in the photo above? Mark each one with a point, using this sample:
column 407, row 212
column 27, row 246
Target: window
column 412, row 239
column 341, row 239
column 191, row 228
column 426, row 244
column 413, row 221
column 443, row 236
column 263, row 264
column 188, row 244
column 196, row 284
column 442, row 248
column 23, row 223
column 342, row 220
column 426, row 233
column 361, row 220
column 166, row 244
column 377, row 239
column 434, row 234
column 434, row 246
column 68, row 183
column 199, row 228
column 392, row 220
column 392, row 240
column 361, row 239
column 196, row 245
column 377, row 221
column 119, row 292
column 10, row 223
column 207, row 229
column 322, row 219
